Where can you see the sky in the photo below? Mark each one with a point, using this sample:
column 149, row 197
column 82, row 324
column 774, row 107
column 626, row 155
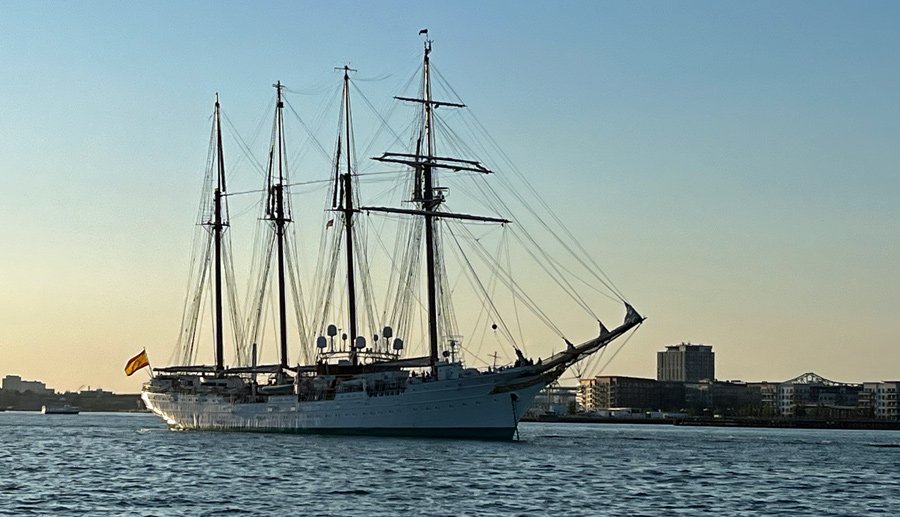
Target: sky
column 734, row 165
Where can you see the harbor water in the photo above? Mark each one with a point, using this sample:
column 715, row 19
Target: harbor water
column 130, row 464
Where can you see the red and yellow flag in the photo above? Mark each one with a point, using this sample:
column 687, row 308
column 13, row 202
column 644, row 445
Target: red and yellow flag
column 137, row 362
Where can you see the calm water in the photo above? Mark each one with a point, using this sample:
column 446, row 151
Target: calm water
column 129, row 464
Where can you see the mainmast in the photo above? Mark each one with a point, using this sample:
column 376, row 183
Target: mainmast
column 218, row 231
column 277, row 215
column 347, row 208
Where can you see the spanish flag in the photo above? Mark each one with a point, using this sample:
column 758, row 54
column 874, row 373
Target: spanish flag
column 137, row 362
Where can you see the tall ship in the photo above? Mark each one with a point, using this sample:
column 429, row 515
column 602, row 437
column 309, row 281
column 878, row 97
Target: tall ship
column 358, row 372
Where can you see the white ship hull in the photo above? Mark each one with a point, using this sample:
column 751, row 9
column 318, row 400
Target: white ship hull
column 486, row 406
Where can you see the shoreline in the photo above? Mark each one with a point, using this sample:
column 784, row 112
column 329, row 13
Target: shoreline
column 766, row 423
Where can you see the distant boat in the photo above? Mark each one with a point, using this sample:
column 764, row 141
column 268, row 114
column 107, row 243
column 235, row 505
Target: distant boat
column 65, row 409
column 349, row 385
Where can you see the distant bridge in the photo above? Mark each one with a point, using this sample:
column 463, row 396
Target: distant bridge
column 813, row 378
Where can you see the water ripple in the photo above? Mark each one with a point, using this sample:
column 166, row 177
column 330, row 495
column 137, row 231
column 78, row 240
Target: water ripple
column 107, row 464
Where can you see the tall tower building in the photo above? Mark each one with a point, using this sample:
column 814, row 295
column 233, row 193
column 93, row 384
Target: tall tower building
column 686, row 363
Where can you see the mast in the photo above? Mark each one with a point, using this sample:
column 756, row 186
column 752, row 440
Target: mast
column 429, row 203
column 427, row 194
column 348, row 209
column 277, row 215
column 218, row 230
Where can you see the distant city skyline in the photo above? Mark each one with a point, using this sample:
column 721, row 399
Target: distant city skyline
column 733, row 167
column 659, row 358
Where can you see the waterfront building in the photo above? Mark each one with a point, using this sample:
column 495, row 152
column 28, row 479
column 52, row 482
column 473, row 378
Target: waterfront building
column 611, row 391
column 768, row 397
column 735, row 398
column 786, row 401
column 886, row 400
column 584, row 397
column 686, row 363
column 866, row 400
column 15, row 384
column 722, row 397
column 806, row 396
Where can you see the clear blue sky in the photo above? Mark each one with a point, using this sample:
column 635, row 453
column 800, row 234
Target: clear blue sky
column 734, row 164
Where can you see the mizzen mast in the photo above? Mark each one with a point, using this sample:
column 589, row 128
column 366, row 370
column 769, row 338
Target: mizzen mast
column 428, row 195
